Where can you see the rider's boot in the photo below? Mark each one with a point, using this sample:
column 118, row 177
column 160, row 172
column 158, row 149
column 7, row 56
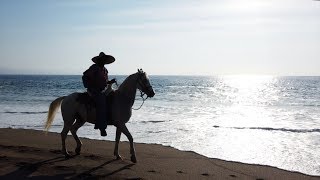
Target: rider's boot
column 103, row 132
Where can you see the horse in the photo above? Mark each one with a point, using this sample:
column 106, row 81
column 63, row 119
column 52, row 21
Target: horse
column 75, row 114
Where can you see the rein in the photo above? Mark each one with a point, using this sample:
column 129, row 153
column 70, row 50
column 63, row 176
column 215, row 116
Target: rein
column 143, row 99
column 141, row 93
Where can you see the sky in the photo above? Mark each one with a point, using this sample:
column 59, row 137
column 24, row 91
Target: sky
column 167, row 37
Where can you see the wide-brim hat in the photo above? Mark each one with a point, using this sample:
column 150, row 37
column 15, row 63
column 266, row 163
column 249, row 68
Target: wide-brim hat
column 105, row 59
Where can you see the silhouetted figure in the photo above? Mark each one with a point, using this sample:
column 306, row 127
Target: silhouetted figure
column 74, row 112
column 95, row 79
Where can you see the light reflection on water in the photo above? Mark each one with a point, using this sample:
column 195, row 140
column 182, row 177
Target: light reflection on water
column 268, row 113
column 254, row 119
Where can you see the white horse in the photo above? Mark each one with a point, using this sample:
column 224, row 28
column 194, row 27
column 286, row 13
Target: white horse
column 75, row 113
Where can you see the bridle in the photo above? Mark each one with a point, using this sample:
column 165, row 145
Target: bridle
column 143, row 87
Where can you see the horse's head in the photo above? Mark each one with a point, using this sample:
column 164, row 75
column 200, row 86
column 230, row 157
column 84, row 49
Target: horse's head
column 143, row 83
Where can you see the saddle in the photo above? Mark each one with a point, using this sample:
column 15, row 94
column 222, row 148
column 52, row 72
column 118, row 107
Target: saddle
column 86, row 99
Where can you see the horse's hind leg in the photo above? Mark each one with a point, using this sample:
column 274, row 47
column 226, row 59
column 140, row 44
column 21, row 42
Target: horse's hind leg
column 74, row 130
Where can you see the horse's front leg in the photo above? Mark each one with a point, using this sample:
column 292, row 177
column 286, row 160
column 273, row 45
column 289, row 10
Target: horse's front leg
column 116, row 147
column 64, row 133
column 125, row 131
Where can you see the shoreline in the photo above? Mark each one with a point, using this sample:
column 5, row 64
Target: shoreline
column 32, row 154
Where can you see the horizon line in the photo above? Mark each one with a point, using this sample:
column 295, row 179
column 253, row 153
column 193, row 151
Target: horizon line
column 199, row 75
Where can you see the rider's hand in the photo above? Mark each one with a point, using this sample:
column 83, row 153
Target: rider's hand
column 112, row 81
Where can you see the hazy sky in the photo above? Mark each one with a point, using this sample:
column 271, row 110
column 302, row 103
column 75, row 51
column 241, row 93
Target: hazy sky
column 175, row 37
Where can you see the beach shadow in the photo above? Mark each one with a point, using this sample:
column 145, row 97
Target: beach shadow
column 118, row 170
column 88, row 174
column 55, row 177
column 26, row 169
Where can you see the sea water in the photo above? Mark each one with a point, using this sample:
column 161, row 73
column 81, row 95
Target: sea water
column 253, row 119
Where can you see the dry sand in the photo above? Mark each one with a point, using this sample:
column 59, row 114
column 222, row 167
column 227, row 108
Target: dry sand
column 30, row 154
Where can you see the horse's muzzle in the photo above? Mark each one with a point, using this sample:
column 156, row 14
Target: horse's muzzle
column 151, row 94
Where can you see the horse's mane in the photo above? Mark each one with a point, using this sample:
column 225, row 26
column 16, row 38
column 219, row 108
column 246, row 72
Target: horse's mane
column 125, row 82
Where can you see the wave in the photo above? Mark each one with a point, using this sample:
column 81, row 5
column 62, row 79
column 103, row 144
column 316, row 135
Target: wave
column 145, row 122
column 26, row 112
column 275, row 129
column 311, row 105
column 155, row 132
column 35, row 126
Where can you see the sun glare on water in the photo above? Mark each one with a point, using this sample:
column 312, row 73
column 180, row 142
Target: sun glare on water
column 248, row 95
column 248, row 81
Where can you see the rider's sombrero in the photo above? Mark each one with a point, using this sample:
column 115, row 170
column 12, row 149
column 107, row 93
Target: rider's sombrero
column 106, row 59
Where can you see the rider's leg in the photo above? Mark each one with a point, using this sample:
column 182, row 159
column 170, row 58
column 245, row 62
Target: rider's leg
column 101, row 122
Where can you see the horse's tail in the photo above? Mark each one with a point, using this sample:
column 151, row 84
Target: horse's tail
column 52, row 111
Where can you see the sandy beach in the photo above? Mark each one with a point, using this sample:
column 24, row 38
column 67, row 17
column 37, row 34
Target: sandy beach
column 32, row 154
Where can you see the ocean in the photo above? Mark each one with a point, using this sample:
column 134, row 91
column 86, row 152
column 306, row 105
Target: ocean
column 266, row 120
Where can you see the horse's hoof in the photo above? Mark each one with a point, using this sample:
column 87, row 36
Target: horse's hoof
column 78, row 150
column 67, row 156
column 119, row 157
column 133, row 159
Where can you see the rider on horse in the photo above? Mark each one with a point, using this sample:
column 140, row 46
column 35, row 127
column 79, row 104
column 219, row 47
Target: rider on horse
column 95, row 79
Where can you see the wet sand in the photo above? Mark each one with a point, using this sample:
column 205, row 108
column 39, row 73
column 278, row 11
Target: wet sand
column 32, row 154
